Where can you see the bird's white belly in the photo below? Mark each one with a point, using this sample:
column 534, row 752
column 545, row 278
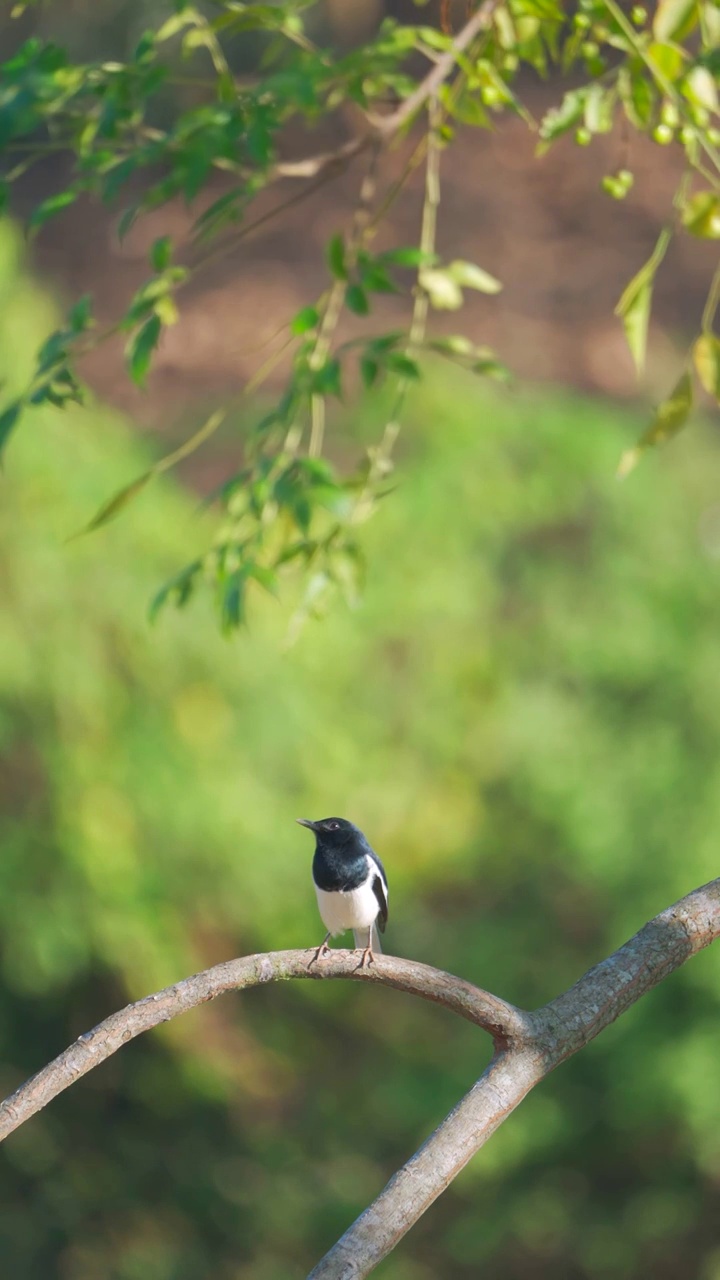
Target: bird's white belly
column 351, row 909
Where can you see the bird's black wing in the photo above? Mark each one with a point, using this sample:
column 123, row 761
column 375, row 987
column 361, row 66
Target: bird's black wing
column 379, row 886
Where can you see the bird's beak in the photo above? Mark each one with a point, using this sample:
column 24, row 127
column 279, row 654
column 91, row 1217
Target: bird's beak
column 305, row 822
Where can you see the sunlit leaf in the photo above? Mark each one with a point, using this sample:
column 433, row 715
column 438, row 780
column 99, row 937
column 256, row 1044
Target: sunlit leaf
column 706, row 356
column 559, row 120
column 670, row 417
column 700, row 87
column 674, row 19
column 406, row 257
column 304, row 320
column 599, row 109
column 469, row 276
column 669, row 59
column 443, row 291
column 701, row 215
column 636, row 301
column 634, row 309
column 112, row 508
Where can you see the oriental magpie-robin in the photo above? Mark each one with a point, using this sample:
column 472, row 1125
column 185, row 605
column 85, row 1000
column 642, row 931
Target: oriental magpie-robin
column 350, row 884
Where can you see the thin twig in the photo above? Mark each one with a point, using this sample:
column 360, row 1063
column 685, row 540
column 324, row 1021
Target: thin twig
column 333, row 307
column 711, row 303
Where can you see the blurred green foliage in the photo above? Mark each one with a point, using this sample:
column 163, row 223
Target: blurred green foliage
column 524, row 715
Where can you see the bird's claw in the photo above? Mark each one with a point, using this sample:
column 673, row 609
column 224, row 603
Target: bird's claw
column 367, row 958
column 321, row 951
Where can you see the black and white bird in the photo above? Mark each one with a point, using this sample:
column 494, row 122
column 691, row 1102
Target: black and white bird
column 350, row 884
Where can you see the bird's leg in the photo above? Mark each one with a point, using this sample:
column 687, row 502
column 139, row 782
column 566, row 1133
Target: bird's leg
column 321, row 951
column 367, row 957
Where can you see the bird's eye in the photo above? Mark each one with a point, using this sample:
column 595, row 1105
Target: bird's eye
column 334, row 826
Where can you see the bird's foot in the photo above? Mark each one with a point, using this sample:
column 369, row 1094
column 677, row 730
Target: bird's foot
column 321, row 951
column 367, row 958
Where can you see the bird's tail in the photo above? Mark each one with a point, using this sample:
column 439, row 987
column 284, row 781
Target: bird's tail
column 371, row 939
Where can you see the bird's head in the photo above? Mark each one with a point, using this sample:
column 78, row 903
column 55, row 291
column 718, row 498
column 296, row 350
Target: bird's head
column 334, row 833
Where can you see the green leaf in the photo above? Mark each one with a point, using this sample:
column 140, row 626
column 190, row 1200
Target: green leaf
column 669, row 418
column 80, row 317
column 166, row 310
column 711, row 23
column 466, row 107
column 161, row 253
column 701, row 215
column 443, row 291
column 454, row 345
column 634, row 309
column 327, row 379
column 139, row 349
column 127, row 220
column 469, row 276
column 599, row 109
column 397, row 362
column 48, row 208
column 700, row 88
column 706, row 356
column 356, row 300
column 375, row 277
column 181, row 587
column 407, row 257
column 8, row 419
column 232, row 602
column 304, row 320
column 559, row 120
column 636, row 301
column 112, row 508
column 668, row 59
column 115, row 505
column 336, row 258
column 638, row 96
column 674, row 19
column 369, row 370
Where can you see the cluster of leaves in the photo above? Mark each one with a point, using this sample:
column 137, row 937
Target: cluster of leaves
column 286, row 506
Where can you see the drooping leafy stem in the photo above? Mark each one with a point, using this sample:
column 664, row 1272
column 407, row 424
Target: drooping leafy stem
column 288, row 505
column 380, row 456
column 334, row 304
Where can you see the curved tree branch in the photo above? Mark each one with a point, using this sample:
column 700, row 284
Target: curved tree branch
column 504, row 1023
column 528, row 1046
